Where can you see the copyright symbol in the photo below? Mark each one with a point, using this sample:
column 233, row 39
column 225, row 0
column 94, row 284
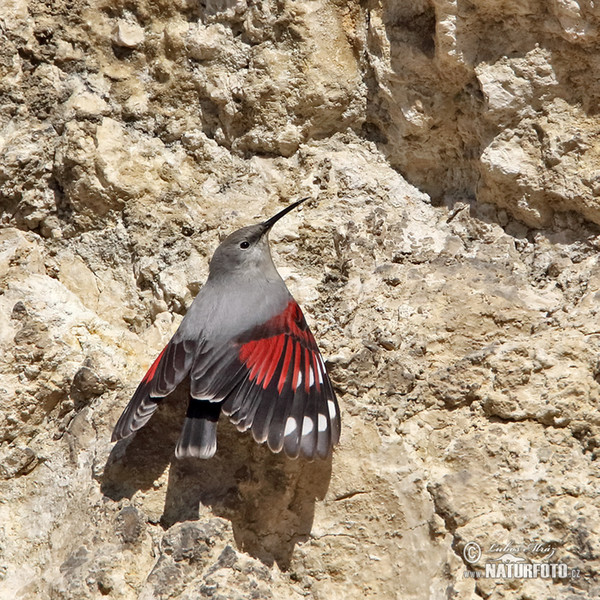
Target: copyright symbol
column 472, row 552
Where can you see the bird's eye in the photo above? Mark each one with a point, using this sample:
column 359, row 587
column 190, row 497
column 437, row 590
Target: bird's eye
column 245, row 244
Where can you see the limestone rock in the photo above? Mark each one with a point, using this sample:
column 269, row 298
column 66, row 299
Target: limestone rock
column 447, row 262
column 127, row 35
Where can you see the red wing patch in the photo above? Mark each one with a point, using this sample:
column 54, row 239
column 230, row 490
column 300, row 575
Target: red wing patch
column 166, row 372
column 285, row 345
column 152, row 370
column 282, row 392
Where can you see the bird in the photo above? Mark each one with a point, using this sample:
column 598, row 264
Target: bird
column 248, row 352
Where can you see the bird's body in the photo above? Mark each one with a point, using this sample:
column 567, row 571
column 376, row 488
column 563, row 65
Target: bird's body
column 249, row 353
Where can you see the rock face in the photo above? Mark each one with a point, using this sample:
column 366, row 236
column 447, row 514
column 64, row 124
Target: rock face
column 448, row 266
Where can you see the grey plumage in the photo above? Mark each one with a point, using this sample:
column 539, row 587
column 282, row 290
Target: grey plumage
column 248, row 352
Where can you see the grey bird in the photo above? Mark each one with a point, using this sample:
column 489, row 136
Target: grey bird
column 246, row 348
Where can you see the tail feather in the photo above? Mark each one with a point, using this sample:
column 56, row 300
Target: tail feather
column 199, row 434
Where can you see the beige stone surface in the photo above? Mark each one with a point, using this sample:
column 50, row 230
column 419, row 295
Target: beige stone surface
column 447, row 262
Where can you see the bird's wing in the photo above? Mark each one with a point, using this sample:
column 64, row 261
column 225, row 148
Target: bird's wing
column 273, row 381
column 166, row 372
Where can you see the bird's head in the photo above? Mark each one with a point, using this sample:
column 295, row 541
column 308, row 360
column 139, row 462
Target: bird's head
column 247, row 250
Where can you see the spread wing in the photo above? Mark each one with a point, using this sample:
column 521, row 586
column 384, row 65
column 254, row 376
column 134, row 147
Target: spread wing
column 281, row 390
column 270, row 380
column 165, row 374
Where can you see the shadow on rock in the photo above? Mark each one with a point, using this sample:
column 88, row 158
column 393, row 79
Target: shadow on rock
column 135, row 463
column 268, row 498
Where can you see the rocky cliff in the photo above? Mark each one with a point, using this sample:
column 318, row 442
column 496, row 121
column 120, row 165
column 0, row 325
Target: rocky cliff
column 447, row 264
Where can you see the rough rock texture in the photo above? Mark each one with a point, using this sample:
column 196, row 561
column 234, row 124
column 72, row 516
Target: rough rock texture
column 448, row 266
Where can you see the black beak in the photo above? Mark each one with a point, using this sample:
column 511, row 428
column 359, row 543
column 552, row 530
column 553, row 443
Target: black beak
column 270, row 222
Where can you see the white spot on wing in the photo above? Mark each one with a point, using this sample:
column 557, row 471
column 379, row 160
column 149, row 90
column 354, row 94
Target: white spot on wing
column 322, row 423
column 307, row 425
column 299, row 379
column 290, row 426
column 331, row 407
column 311, row 381
column 321, row 369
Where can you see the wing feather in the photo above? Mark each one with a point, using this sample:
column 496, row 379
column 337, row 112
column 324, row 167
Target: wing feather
column 286, row 393
column 166, row 372
column 271, row 380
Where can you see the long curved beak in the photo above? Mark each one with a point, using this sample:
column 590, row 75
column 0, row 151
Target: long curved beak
column 270, row 222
